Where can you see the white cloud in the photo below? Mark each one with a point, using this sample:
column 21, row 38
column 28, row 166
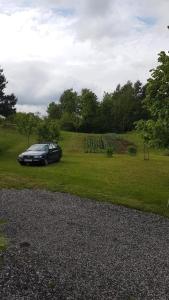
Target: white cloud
column 53, row 45
column 36, row 109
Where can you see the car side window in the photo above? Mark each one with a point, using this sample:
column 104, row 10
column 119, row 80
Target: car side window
column 51, row 147
column 46, row 148
column 55, row 146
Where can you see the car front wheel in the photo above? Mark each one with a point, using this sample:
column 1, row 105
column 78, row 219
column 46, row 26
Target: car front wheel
column 46, row 162
column 22, row 163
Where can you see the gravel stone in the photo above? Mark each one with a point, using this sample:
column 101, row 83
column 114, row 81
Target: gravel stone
column 65, row 247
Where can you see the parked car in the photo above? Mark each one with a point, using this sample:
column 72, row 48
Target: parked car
column 41, row 154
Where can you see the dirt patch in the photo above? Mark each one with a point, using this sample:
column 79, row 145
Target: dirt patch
column 121, row 146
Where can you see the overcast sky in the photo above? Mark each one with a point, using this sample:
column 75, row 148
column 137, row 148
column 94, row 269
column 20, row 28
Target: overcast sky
column 50, row 45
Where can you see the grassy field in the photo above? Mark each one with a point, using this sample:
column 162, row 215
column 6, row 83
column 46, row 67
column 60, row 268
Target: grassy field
column 3, row 241
column 122, row 179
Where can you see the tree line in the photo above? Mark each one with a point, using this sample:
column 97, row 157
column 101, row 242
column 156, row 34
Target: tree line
column 117, row 112
column 130, row 106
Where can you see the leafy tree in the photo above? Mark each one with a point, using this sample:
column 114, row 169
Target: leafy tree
column 123, row 105
column 66, row 111
column 117, row 112
column 120, row 109
column 48, row 130
column 88, row 110
column 156, row 129
column 26, row 124
column 140, row 111
column 117, row 108
column 69, row 102
column 66, row 122
column 105, row 113
column 7, row 102
column 54, row 111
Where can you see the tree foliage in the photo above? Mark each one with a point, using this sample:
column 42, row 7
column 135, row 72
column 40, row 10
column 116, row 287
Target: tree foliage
column 54, row 111
column 26, row 124
column 69, row 101
column 156, row 129
column 7, row 102
column 48, row 130
column 117, row 111
column 88, row 110
column 123, row 107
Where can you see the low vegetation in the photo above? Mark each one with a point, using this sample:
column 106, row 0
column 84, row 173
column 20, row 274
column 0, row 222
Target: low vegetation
column 124, row 179
column 132, row 150
column 3, row 241
column 104, row 142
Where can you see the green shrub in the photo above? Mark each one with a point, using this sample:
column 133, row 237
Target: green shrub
column 109, row 152
column 48, row 130
column 67, row 122
column 132, row 150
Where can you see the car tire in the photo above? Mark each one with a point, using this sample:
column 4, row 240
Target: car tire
column 22, row 163
column 58, row 159
column 46, row 162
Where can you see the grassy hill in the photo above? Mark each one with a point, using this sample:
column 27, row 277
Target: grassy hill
column 123, row 179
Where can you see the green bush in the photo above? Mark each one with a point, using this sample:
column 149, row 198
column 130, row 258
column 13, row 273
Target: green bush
column 67, row 122
column 132, row 150
column 109, row 152
column 48, row 130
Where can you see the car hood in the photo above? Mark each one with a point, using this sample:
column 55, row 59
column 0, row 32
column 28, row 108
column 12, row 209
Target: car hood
column 33, row 153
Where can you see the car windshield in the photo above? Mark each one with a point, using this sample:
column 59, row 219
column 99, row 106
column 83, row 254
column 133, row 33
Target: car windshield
column 38, row 147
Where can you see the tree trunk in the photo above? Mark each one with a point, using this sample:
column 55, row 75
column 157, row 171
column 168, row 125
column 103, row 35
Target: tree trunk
column 146, row 152
column 28, row 140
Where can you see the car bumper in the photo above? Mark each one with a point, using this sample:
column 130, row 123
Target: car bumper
column 33, row 161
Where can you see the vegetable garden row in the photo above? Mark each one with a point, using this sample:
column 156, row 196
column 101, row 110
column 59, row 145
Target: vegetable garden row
column 100, row 143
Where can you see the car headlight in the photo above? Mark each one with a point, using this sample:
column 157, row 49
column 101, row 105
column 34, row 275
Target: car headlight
column 20, row 156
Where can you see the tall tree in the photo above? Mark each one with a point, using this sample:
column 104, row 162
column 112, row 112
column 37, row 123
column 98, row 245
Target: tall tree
column 140, row 111
column 105, row 113
column 120, row 109
column 123, row 104
column 117, row 108
column 88, row 110
column 7, row 102
column 69, row 101
column 54, row 110
column 156, row 129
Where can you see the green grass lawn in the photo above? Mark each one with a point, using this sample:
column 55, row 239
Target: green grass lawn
column 3, row 241
column 123, row 179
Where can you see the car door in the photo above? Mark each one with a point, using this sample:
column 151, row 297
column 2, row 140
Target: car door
column 56, row 152
column 51, row 156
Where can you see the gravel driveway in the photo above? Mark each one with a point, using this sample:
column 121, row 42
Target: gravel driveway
column 64, row 247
